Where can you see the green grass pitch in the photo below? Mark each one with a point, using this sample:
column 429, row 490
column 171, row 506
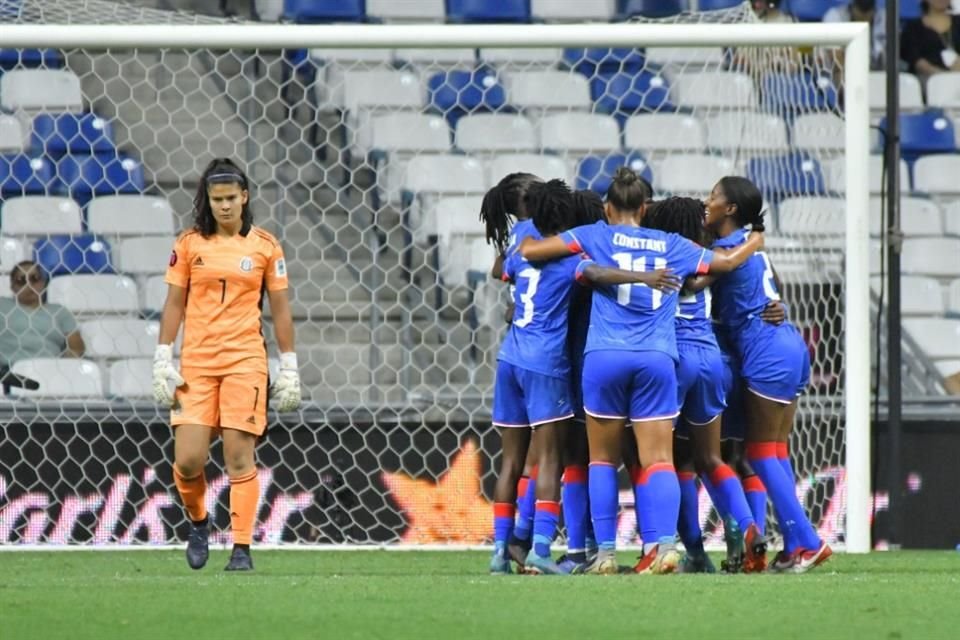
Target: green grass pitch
column 377, row 594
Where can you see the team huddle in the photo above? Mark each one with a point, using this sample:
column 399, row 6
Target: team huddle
column 623, row 317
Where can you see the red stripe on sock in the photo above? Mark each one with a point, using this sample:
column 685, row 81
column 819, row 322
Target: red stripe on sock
column 534, row 472
column 783, row 450
column 503, row 510
column 635, row 474
column 720, row 474
column 753, row 483
column 686, row 476
column 757, row 450
column 655, row 468
column 549, row 506
column 522, row 486
column 575, row 474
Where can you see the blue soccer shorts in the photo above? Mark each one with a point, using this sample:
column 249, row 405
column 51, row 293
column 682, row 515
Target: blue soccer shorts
column 775, row 363
column 700, row 390
column 734, row 424
column 637, row 385
column 524, row 398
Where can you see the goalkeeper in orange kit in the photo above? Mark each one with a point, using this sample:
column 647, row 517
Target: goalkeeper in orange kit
column 218, row 272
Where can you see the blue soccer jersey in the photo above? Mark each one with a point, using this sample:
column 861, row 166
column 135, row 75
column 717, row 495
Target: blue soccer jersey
column 634, row 317
column 740, row 296
column 537, row 338
column 694, row 319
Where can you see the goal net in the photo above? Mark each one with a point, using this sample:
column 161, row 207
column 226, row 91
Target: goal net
column 369, row 164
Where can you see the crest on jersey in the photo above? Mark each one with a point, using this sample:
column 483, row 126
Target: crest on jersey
column 246, row 264
column 280, row 270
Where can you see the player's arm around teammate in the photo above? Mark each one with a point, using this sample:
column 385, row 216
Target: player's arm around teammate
column 218, row 272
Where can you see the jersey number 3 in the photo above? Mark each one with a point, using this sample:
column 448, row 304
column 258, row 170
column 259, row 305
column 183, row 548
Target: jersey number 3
column 628, row 263
column 526, row 298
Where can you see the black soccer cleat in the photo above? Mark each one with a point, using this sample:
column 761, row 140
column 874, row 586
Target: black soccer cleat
column 240, row 560
column 198, row 546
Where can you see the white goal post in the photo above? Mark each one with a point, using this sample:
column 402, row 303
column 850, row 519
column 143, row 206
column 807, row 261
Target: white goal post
column 852, row 37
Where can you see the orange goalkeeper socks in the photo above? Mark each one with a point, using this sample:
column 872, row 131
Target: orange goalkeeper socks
column 244, row 498
column 193, row 492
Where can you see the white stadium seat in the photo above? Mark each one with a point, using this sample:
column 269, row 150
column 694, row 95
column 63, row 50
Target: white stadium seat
column 937, row 174
column 89, row 293
column 385, row 89
column 690, row 173
column 819, row 132
column 11, row 134
column 407, row 10
column 943, row 90
column 445, row 173
column 146, row 255
column 931, row 256
column 747, row 132
column 60, row 377
column 131, row 378
column 521, row 59
column 938, row 337
column 714, row 89
column 918, row 216
column 685, row 57
column 130, row 215
column 567, row 11
column 12, row 251
column 653, row 132
column 444, row 59
column 953, row 297
column 545, row 90
column 835, row 172
column 919, row 295
column 353, row 57
column 40, row 89
column 456, row 232
column 41, row 215
column 119, row 337
column 951, row 218
column 410, row 132
column 911, row 94
column 495, row 132
column 154, row 294
column 542, row 165
column 579, row 132
column 812, row 216
column 458, row 215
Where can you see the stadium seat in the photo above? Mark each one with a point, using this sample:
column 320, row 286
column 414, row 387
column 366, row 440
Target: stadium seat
column 910, row 91
column 690, row 173
column 87, row 293
column 131, row 378
column 685, row 58
column 579, row 132
column 818, row 132
column 154, row 292
column 319, row 11
column 12, row 251
column 714, row 89
column 40, row 89
column 60, row 377
column 410, row 132
column 937, row 174
column 545, row 166
column 485, row 11
column 456, row 227
column 73, row 254
column 747, row 132
column 520, row 60
column 11, row 134
column 589, row 61
column 544, row 90
column 495, row 132
column 566, row 11
column 62, row 133
column 943, row 90
column 432, row 176
column 5, row 290
column 792, row 174
column 627, row 93
column 383, row 89
column 835, row 172
column 85, row 176
column 130, row 215
column 653, row 8
column 456, row 93
column 909, row 9
column 919, row 295
column 21, row 175
column 407, row 10
column 924, row 133
column 938, row 337
column 11, row 59
column 812, row 10
column 918, row 217
column 119, row 337
column 432, row 60
column 951, row 218
column 664, row 132
column 41, row 215
column 953, row 297
column 814, row 216
column 147, row 255
column 789, row 94
column 931, row 256
column 596, row 172
column 716, row 5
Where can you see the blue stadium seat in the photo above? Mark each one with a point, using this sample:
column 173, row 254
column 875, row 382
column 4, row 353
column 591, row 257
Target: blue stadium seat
column 84, row 176
column 909, row 9
column 792, row 174
column 653, row 8
column 22, row 175
column 319, row 11
column 589, row 61
column 789, row 95
column 624, row 94
column 72, row 254
column 30, row 58
column 714, row 5
column 812, row 10
column 487, row 11
column 596, row 172
column 62, row 133
column 455, row 93
column 924, row 133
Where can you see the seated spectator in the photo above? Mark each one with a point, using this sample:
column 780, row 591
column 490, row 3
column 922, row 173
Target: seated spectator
column 930, row 45
column 31, row 328
column 769, row 11
column 862, row 11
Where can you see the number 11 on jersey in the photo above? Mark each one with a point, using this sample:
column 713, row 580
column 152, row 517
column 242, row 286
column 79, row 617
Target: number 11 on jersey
column 628, row 263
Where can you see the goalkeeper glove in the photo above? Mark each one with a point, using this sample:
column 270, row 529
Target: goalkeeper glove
column 163, row 373
column 286, row 389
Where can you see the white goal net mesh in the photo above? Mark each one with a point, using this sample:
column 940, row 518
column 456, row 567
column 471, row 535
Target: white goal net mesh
column 369, row 166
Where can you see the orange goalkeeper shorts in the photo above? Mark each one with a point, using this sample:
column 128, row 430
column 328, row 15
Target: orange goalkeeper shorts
column 230, row 401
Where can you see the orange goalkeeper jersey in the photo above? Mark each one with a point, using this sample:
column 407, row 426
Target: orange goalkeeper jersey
column 225, row 280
